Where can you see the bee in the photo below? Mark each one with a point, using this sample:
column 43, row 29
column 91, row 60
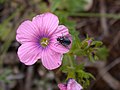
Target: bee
column 64, row 40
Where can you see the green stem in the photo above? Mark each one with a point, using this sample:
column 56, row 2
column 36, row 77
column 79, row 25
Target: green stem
column 71, row 61
column 71, row 74
column 107, row 15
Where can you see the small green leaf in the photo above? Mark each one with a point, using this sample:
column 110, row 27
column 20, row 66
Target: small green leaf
column 102, row 53
column 97, row 43
column 71, row 74
column 91, row 57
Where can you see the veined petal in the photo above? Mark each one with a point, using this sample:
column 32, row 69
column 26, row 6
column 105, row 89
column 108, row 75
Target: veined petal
column 73, row 85
column 46, row 23
column 27, row 32
column 50, row 59
column 62, row 86
column 29, row 53
column 55, row 45
column 61, row 31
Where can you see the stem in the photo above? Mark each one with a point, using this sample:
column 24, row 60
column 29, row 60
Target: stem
column 71, row 61
column 72, row 66
column 107, row 15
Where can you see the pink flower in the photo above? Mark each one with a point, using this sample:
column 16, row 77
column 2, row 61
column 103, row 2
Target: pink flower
column 39, row 41
column 71, row 85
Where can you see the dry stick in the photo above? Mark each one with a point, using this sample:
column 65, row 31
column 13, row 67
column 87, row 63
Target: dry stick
column 103, row 72
column 111, row 65
column 103, row 20
column 97, row 15
column 2, row 85
column 109, row 79
column 112, row 82
column 29, row 78
column 115, row 41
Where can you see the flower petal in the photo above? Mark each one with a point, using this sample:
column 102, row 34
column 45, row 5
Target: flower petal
column 55, row 45
column 73, row 85
column 27, row 32
column 62, row 86
column 46, row 22
column 29, row 53
column 61, row 31
column 50, row 59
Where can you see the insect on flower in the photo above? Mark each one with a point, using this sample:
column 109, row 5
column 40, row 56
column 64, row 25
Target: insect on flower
column 38, row 37
column 64, row 40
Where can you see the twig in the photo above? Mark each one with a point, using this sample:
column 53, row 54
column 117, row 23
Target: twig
column 111, row 65
column 29, row 78
column 97, row 15
column 15, row 77
column 115, row 40
column 103, row 20
column 103, row 72
column 109, row 79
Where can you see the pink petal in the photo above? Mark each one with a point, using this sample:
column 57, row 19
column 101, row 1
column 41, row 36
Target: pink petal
column 46, row 22
column 62, row 86
column 73, row 85
column 55, row 45
column 50, row 59
column 61, row 31
column 27, row 32
column 29, row 53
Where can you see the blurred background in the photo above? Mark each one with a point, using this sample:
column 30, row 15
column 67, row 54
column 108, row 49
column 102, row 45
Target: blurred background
column 96, row 18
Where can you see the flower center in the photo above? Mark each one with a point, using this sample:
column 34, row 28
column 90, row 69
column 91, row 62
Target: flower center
column 44, row 42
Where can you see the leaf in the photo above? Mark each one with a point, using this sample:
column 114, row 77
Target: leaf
column 54, row 4
column 102, row 53
column 68, row 5
column 83, row 77
column 71, row 74
column 91, row 57
column 97, row 43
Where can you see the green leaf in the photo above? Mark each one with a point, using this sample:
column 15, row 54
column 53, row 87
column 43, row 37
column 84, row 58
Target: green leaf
column 71, row 74
column 102, row 53
column 91, row 57
column 68, row 5
column 54, row 4
column 97, row 43
column 79, row 67
column 83, row 77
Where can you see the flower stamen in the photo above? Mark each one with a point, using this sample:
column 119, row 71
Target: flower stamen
column 44, row 42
